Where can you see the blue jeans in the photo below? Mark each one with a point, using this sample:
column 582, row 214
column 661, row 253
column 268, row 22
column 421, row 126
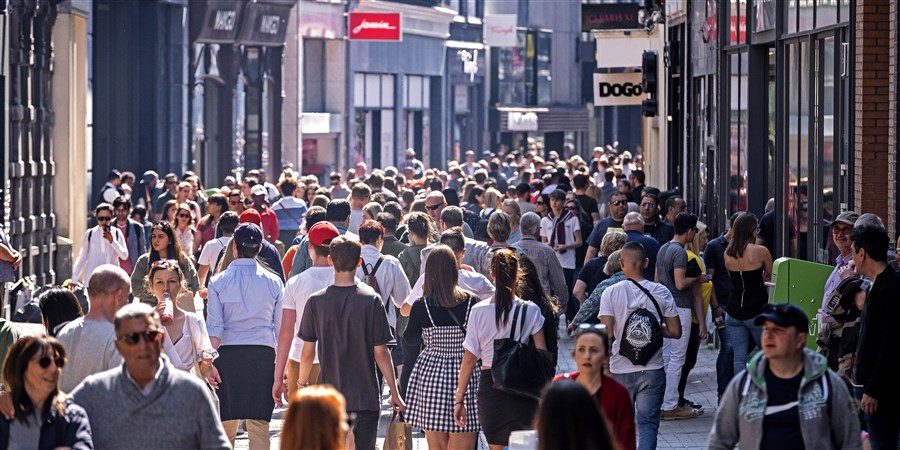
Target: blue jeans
column 647, row 389
column 724, row 362
column 740, row 333
column 883, row 428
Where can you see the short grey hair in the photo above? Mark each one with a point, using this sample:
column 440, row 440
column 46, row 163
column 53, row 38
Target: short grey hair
column 105, row 280
column 613, row 263
column 632, row 218
column 870, row 219
column 136, row 311
column 530, row 224
column 513, row 206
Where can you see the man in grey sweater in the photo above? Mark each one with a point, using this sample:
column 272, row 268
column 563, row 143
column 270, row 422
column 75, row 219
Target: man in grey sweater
column 147, row 403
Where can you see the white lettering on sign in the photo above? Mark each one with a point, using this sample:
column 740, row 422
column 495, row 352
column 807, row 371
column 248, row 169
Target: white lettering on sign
column 369, row 25
column 269, row 24
column 518, row 121
column 225, row 20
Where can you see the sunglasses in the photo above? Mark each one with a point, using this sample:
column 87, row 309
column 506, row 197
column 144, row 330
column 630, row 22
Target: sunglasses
column 184, row 216
column 45, row 361
column 619, row 202
column 433, row 207
column 234, row 203
column 149, row 336
column 594, row 327
column 540, row 203
column 103, row 218
column 165, row 263
column 572, row 208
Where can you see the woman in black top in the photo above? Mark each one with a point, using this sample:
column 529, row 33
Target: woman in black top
column 749, row 266
column 529, row 288
column 439, row 321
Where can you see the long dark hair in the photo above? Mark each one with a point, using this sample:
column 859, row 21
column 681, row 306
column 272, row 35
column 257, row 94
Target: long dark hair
column 442, row 278
column 58, row 306
column 17, row 359
column 741, row 234
column 474, row 192
column 570, row 418
column 173, row 251
column 504, row 268
column 529, row 287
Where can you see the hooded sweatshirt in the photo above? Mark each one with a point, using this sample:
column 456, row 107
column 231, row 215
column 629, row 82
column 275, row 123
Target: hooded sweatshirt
column 824, row 404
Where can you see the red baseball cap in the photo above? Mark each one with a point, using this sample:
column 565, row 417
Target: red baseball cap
column 322, row 233
column 250, row 216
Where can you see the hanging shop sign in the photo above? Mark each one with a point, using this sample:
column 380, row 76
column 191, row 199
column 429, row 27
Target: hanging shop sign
column 365, row 26
column 618, row 89
column 220, row 20
column 609, row 16
column 521, row 121
column 265, row 23
column 500, row 30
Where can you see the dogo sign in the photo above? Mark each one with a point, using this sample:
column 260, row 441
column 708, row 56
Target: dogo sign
column 618, row 89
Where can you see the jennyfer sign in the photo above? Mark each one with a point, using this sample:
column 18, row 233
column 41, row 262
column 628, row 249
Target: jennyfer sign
column 618, row 89
column 366, row 26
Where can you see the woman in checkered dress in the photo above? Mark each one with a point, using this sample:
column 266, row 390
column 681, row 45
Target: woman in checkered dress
column 439, row 320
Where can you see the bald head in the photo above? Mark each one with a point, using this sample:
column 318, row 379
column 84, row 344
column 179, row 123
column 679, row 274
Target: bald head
column 435, row 202
column 633, row 222
column 435, row 198
column 108, row 290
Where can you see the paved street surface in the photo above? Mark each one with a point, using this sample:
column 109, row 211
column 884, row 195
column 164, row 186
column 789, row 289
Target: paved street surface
column 676, row 434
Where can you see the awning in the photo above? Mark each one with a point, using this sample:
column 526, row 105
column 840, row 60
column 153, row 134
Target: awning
column 265, row 22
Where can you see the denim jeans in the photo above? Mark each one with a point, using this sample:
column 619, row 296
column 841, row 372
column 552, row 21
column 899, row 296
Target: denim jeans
column 724, row 362
column 883, row 428
column 739, row 334
column 647, row 389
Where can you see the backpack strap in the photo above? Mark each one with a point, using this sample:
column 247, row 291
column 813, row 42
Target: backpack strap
column 652, row 298
column 374, row 267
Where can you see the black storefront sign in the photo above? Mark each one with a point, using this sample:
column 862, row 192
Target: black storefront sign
column 265, row 24
column 609, row 16
column 220, row 20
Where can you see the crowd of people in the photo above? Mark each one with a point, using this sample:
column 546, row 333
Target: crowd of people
column 209, row 307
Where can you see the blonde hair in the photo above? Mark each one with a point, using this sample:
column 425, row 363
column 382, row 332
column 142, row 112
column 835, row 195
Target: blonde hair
column 694, row 245
column 492, row 198
column 612, row 241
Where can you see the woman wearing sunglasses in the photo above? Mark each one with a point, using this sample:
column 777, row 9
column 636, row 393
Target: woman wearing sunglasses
column 44, row 419
column 163, row 245
column 184, row 228
column 592, row 358
column 186, row 341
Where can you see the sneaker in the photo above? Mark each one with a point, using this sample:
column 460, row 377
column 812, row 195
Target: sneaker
column 684, row 412
column 690, row 404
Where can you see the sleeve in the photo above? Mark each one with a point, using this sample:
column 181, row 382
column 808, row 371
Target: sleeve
column 576, row 224
column 535, row 319
column 118, row 244
column 289, row 300
column 78, row 429
column 558, row 281
column 110, row 195
column 471, row 342
column 485, row 288
column 413, row 333
column 587, row 272
column 381, row 330
column 606, row 307
column 139, row 278
column 725, row 432
column 680, row 260
column 665, row 300
column 596, row 237
column 844, row 423
column 693, row 268
column 591, row 305
column 416, row 293
column 307, row 331
column 81, row 261
column 278, row 308
column 190, row 274
column 206, row 255
column 214, row 312
column 711, row 256
column 401, row 287
column 546, row 226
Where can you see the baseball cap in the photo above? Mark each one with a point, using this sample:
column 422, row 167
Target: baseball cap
column 322, row 233
column 248, row 235
column 848, row 217
column 258, row 189
column 784, row 315
column 250, row 216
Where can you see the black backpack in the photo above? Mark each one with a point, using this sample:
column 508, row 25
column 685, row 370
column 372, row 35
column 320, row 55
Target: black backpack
column 642, row 335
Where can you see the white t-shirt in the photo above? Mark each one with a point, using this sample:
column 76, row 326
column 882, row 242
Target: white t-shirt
column 567, row 259
column 356, row 219
column 211, row 250
column 297, row 292
column 619, row 301
column 469, row 281
column 482, row 328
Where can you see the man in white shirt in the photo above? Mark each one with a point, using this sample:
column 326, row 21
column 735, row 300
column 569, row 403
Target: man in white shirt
column 359, row 197
column 90, row 341
column 296, row 293
column 212, row 251
column 646, row 383
column 469, row 280
column 390, row 280
column 103, row 244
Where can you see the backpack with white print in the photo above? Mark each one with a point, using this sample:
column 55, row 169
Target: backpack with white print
column 642, row 335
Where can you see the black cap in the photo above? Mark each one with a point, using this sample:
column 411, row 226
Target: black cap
column 784, row 315
column 248, row 235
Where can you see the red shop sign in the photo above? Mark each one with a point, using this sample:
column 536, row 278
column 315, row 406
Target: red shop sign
column 375, row 27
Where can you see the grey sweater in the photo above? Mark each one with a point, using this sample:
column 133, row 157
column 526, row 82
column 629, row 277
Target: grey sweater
column 178, row 413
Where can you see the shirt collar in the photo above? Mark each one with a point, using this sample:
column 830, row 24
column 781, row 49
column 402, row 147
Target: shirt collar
column 244, row 262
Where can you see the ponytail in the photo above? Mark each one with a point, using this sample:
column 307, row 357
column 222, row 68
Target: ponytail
column 504, row 267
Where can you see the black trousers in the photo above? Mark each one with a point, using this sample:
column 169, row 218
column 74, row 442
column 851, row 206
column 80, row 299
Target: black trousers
column 574, row 305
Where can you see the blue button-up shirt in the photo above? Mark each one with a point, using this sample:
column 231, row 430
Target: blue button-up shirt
column 245, row 305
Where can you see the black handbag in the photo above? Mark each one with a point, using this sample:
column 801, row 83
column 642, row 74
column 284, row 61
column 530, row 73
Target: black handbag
column 520, row 369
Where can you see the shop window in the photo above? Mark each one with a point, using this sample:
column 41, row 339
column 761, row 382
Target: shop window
column 807, row 15
column 737, row 132
column 314, row 70
column 737, row 22
column 791, row 16
column 373, row 90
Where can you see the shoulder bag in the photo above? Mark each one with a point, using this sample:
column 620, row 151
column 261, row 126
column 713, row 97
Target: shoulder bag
column 520, row 369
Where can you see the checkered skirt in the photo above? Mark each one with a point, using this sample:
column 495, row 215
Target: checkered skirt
column 432, row 384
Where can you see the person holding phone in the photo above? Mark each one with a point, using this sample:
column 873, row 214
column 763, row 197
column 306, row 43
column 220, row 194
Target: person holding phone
column 102, row 244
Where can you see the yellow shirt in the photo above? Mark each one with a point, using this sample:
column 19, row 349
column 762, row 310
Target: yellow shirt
column 705, row 288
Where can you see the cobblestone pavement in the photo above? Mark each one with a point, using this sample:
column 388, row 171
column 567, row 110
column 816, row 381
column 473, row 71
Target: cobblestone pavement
column 677, row 434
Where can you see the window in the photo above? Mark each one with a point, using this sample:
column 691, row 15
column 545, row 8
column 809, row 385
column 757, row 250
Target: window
column 737, row 132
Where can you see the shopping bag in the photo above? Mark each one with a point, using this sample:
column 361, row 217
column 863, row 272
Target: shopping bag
column 399, row 435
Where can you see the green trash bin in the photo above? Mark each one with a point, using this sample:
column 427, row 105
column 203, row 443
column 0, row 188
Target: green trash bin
column 803, row 284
